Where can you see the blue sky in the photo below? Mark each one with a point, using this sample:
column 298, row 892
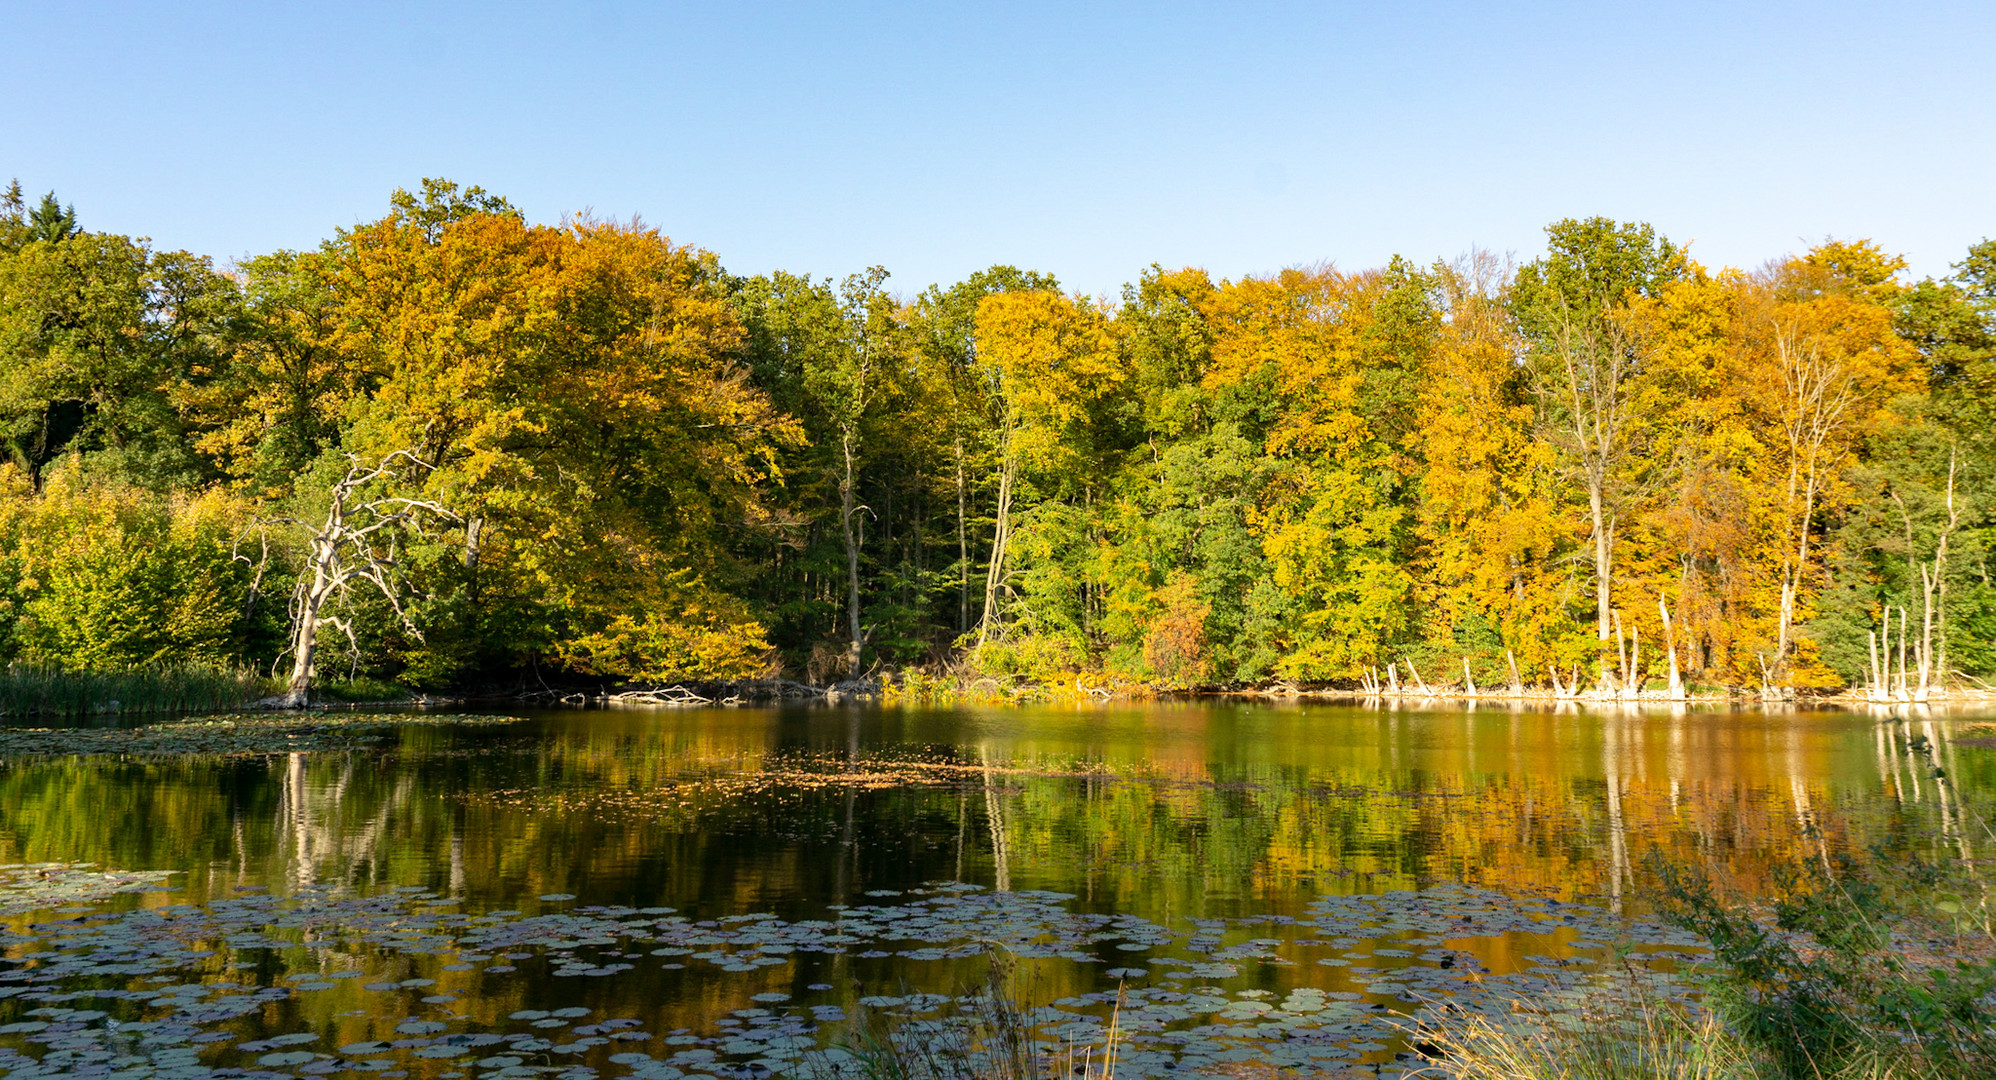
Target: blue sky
column 1089, row 140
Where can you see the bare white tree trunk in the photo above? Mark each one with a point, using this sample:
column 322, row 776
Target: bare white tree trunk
column 1933, row 594
column 305, row 634
column 1818, row 399
column 962, row 542
column 1001, row 538
column 1923, row 649
column 1634, row 688
column 1876, row 690
column 1676, row 691
column 1419, row 682
column 342, row 551
column 1903, row 694
column 856, row 642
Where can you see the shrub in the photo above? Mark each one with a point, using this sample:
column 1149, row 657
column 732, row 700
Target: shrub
column 117, row 579
column 1855, row 962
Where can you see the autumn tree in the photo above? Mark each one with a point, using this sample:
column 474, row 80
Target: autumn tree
column 1493, row 542
column 575, row 390
column 1587, row 364
column 943, row 328
column 1048, row 357
column 1836, row 362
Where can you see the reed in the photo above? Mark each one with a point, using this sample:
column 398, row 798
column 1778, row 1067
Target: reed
column 1648, row 1042
column 1645, row 1040
column 31, row 690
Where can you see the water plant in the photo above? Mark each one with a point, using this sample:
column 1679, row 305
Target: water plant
column 989, row 1035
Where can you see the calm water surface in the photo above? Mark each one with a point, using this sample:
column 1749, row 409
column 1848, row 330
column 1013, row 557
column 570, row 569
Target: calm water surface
column 1190, row 834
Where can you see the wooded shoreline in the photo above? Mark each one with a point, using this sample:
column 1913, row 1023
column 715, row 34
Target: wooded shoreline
column 450, row 446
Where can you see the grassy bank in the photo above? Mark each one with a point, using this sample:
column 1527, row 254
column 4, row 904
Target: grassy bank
column 28, row 690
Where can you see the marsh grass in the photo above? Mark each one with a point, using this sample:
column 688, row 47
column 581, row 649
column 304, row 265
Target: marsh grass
column 360, row 690
column 30, row 690
column 1634, row 1036
column 1655, row 1042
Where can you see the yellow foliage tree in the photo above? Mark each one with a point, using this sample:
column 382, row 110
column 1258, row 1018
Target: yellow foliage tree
column 574, row 391
column 1050, row 358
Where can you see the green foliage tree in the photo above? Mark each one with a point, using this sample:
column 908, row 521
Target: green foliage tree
column 100, row 339
column 51, row 222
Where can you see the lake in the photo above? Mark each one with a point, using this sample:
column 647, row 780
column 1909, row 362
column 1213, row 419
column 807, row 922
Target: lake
column 718, row 892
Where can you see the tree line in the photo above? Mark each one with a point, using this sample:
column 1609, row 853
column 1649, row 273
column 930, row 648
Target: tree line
column 587, row 451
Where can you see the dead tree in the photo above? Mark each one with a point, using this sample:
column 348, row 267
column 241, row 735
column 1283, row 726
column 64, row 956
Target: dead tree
column 346, row 549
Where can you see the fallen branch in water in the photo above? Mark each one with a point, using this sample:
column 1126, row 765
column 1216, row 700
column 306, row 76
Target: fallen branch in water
column 668, row 695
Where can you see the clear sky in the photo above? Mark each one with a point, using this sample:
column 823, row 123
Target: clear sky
column 1086, row 139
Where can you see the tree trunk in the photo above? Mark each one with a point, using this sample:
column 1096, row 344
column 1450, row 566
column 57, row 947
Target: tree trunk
column 1676, row 690
column 305, row 637
column 1604, row 573
column 1876, row 691
column 1926, row 646
column 1940, row 573
column 962, row 544
column 298, row 693
column 1634, row 689
column 1621, row 651
column 331, row 571
column 1903, row 694
column 856, row 643
column 1001, row 537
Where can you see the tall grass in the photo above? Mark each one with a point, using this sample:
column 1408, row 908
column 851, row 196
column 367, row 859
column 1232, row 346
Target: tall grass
column 1637, row 1037
column 30, row 690
column 1650, row 1041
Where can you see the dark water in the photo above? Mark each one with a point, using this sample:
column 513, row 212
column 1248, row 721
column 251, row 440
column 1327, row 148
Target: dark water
column 1188, row 852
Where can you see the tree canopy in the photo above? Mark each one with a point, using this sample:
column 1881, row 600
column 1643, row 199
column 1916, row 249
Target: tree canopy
column 649, row 468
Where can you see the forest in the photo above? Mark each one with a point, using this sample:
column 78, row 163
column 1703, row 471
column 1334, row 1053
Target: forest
column 462, row 449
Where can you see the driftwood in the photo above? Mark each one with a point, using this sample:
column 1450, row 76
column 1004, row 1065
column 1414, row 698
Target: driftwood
column 666, row 695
